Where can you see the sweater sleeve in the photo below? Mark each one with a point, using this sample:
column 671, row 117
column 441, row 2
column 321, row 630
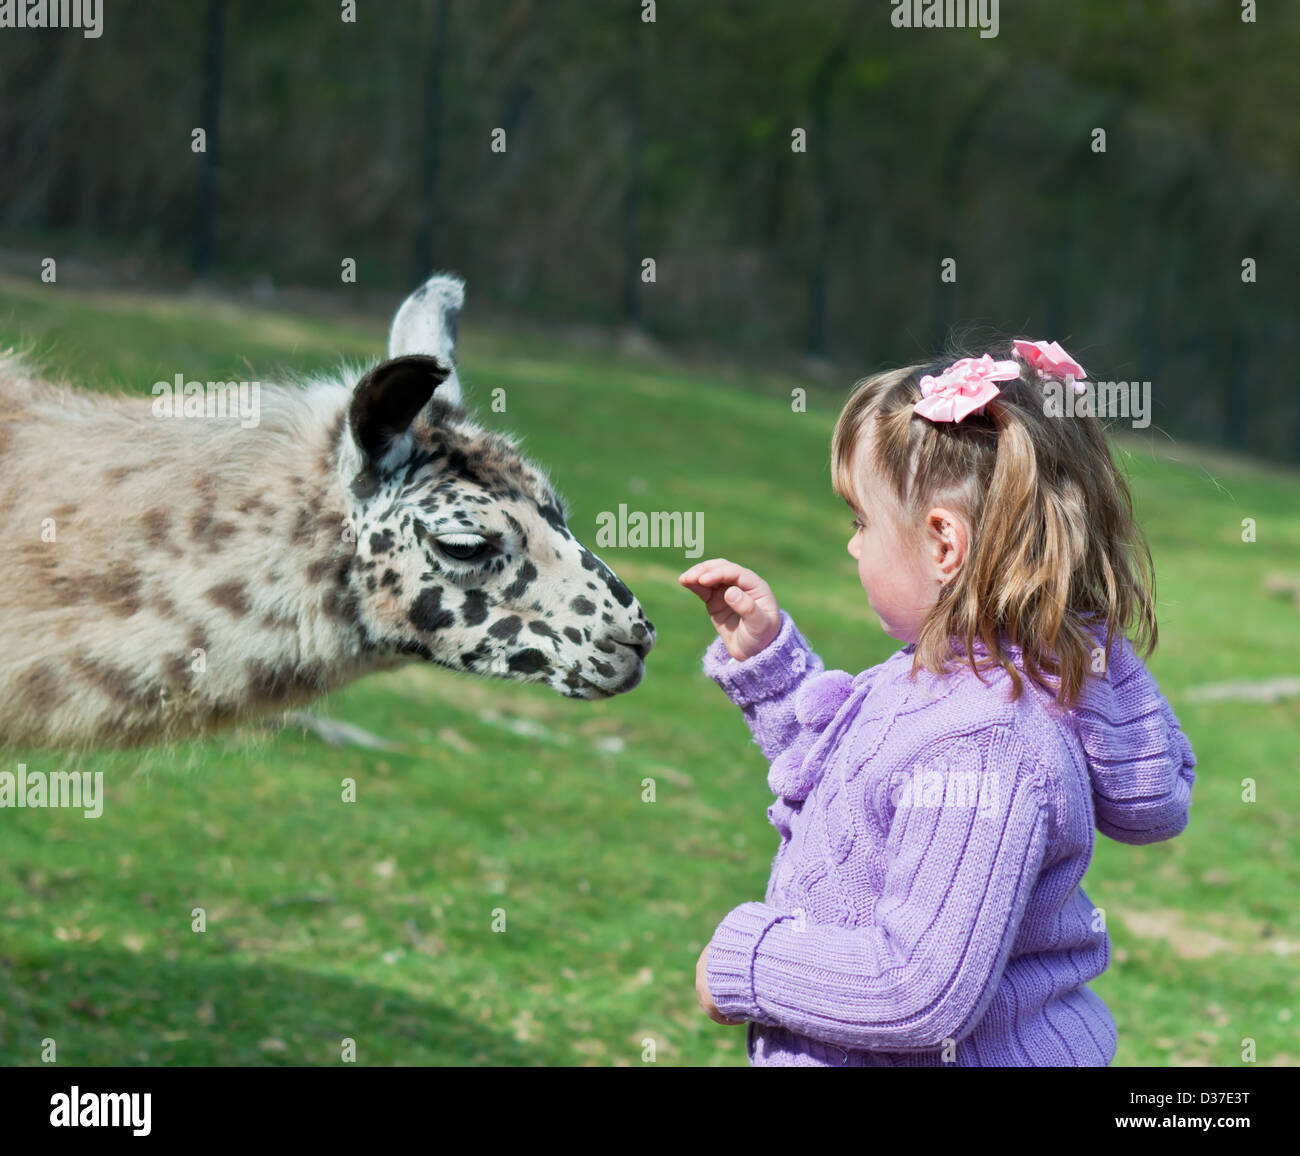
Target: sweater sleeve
column 923, row 969
column 1140, row 761
column 765, row 685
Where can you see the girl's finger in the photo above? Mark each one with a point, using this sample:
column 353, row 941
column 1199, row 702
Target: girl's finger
column 702, row 588
column 719, row 571
column 739, row 601
column 711, row 577
column 740, row 576
column 704, row 593
column 693, row 574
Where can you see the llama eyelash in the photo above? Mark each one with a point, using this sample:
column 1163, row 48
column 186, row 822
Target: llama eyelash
column 467, row 548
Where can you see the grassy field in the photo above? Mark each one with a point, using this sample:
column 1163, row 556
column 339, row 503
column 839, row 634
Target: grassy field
column 373, row 920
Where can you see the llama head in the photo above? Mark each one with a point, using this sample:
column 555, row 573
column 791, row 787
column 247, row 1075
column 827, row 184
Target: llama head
column 463, row 555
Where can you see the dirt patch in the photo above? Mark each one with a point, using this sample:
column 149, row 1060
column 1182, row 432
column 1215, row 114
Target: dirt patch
column 1212, row 934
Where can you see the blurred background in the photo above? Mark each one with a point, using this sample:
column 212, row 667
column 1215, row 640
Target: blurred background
column 667, row 228
column 620, row 140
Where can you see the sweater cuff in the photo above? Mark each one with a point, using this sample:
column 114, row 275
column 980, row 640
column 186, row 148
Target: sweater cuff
column 729, row 967
column 770, row 673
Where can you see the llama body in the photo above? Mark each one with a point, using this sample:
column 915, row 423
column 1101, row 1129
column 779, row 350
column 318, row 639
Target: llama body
column 164, row 577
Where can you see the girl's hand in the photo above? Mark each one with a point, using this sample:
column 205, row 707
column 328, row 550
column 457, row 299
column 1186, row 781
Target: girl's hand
column 740, row 603
column 704, row 995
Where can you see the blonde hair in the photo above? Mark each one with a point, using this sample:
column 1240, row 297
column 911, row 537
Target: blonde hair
column 1054, row 548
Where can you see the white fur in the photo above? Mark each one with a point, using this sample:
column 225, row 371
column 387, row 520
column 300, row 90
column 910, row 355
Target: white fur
column 424, row 323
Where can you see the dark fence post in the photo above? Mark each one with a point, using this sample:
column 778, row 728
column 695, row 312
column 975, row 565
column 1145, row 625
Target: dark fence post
column 422, row 259
column 210, row 121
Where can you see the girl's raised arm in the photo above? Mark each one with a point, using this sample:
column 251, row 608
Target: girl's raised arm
column 759, row 658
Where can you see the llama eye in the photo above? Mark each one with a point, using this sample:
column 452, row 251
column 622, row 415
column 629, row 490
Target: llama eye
column 464, row 547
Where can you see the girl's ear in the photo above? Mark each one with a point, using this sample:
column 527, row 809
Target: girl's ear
column 386, row 401
column 946, row 542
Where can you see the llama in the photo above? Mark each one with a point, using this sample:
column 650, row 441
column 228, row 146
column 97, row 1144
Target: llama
column 166, row 577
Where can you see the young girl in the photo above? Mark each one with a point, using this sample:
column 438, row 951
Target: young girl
column 936, row 812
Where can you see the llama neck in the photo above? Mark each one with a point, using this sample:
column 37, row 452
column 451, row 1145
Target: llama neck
column 198, row 571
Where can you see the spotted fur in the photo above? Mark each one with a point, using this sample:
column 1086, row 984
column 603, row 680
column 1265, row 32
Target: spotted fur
column 202, row 573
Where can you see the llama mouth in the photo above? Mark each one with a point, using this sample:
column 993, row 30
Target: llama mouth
column 575, row 684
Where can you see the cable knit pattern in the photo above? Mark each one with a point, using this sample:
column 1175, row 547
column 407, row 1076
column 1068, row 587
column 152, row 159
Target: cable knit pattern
column 924, row 905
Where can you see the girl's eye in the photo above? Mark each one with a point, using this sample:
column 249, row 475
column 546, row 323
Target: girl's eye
column 464, row 547
column 857, row 525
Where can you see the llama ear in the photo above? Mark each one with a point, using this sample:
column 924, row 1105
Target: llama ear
column 426, row 323
column 386, row 401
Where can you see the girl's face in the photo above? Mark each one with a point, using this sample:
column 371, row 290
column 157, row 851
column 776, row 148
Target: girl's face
column 902, row 566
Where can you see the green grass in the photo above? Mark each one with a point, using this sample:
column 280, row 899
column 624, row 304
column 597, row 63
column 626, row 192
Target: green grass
column 373, row 920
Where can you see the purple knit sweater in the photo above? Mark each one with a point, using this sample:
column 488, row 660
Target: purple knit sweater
column 924, row 906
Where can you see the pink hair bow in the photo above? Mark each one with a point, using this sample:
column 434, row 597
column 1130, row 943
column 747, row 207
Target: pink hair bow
column 1051, row 359
column 963, row 387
